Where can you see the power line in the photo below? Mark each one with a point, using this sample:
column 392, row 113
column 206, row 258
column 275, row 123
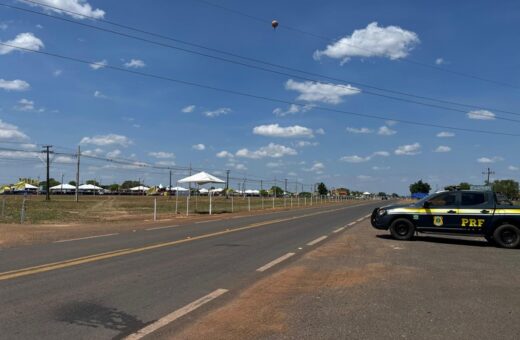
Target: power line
column 344, row 81
column 259, row 97
column 330, row 40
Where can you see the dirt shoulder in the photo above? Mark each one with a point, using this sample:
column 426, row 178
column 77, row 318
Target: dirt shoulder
column 364, row 285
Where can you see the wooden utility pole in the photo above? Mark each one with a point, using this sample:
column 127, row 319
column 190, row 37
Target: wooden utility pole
column 47, row 150
column 488, row 173
column 77, row 174
column 227, row 184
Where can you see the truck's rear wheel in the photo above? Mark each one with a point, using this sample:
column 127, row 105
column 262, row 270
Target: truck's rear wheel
column 402, row 229
column 507, row 236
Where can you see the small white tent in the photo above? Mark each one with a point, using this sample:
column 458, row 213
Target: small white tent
column 140, row 188
column 63, row 187
column 202, row 178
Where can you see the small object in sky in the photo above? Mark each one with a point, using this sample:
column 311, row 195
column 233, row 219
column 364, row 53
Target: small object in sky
column 274, row 23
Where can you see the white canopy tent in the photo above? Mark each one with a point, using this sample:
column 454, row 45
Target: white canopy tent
column 63, row 187
column 140, row 188
column 202, row 178
column 89, row 187
column 178, row 189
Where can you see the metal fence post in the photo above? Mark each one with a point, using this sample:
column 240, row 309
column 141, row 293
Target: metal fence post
column 188, row 205
column 291, row 201
column 155, row 209
column 248, row 203
column 262, row 202
column 305, row 200
column 22, row 213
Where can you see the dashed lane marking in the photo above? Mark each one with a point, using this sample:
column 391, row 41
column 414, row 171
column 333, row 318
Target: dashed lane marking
column 176, row 315
column 85, row 238
column 158, row 228
column 275, row 262
column 338, row 230
column 318, row 240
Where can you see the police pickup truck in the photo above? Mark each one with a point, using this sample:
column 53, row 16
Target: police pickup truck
column 462, row 212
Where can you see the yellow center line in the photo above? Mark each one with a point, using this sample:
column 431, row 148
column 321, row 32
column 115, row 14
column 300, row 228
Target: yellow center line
column 102, row 256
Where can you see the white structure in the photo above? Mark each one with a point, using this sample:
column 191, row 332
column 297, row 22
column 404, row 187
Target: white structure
column 139, row 188
column 89, row 188
column 64, row 187
column 202, row 178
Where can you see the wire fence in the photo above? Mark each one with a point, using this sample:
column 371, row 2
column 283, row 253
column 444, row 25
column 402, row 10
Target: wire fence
column 62, row 209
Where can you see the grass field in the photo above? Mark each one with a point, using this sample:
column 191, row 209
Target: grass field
column 91, row 209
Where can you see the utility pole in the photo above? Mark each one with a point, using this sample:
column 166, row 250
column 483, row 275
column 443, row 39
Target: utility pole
column 488, row 173
column 227, row 184
column 77, row 174
column 170, row 187
column 47, row 150
column 244, row 187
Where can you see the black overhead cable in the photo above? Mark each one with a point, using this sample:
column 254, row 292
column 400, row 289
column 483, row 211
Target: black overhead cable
column 330, row 40
column 344, row 81
column 259, row 97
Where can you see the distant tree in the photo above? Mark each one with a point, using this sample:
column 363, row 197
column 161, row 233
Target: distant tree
column 93, row 182
column 264, row 193
column 420, row 187
column 305, row 194
column 276, row 190
column 322, row 189
column 394, row 195
column 72, row 183
column 129, row 184
column 113, row 187
column 507, row 187
column 381, row 194
column 464, row 186
column 356, row 193
column 52, row 183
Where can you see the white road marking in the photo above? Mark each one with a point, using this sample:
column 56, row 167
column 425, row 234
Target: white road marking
column 199, row 222
column 85, row 238
column 338, row 230
column 157, row 228
column 367, row 216
column 351, row 224
column 319, row 239
column 275, row 262
column 359, row 219
column 175, row 315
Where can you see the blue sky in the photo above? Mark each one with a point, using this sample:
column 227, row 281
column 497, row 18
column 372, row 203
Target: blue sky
column 120, row 115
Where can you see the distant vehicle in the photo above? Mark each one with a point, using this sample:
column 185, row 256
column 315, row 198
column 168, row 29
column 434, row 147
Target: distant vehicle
column 460, row 212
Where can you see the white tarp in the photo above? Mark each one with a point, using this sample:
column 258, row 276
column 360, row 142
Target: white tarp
column 201, row 178
column 61, row 187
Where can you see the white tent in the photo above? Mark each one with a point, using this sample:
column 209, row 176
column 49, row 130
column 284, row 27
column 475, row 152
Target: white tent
column 366, row 193
column 202, row 178
column 139, row 188
column 203, row 191
column 89, row 187
column 216, row 190
column 178, row 189
column 252, row 192
column 62, row 187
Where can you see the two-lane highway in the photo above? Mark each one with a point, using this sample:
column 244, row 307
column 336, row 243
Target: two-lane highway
column 115, row 285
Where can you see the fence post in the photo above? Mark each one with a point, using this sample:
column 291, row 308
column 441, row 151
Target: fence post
column 155, row 209
column 3, row 208
column 232, row 207
column 305, row 200
column 284, row 202
column 273, row 202
column 248, row 203
column 291, row 201
column 176, row 202
column 188, row 205
column 262, row 202
column 22, row 213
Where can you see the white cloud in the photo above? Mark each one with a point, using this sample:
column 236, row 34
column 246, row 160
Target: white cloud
column 378, row 168
column 76, row 6
column 319, row 131
column 445, row 134
column 304, row 143
column 293, row 109
column 439, row 61
column 165, row 163
column 110, row 139
column 275, row 130
column 513, row 168
column 162, row 155
column 481, row 115
column 19, row 154
column 386, row 131
column 443, row 148
column 98, row 94
column 27, row 105
column 224, row 154
column 365, row 178
column 22, row 40
column 9, row 132
column 218, row 112
column 114, row 153
column 360, row 159
column 135, row 63
column 188, row 109
column 199, row 147
column 241, row 167
column 274, row 164
column 317, row 168
column 391, row 42
column 362, row 130
column 57, row 73
column 95, row 152
column 99, row 64
column 321, row 92
column 408, row 150
column 14, row 85
column 272, row 150
column 487, row 160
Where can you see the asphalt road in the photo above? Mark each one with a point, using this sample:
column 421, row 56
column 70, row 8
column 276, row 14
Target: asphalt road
column 112, row 286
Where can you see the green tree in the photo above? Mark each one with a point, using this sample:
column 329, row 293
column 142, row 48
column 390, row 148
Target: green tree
column 113, row 187
column 264, row 193
column 276, row 191
column 420, row 187
column 52, row 183
column 305, row 194
column 381, row 194
column 464, row 186
column 93, row 182
column 129, row 184
column 507, row 187
column 394, row 195
column 322, row 189
column 72, row 183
